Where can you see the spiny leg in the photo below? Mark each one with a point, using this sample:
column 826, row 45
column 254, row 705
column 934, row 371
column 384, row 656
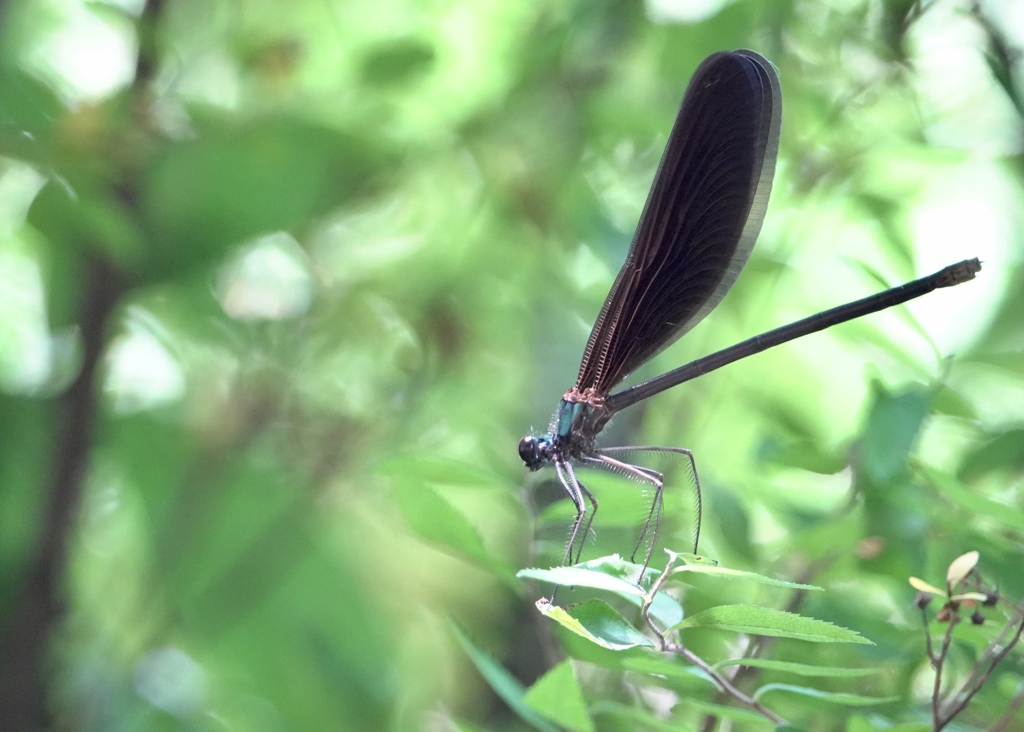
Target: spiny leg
column 649, row 533
column 653, row 521
column 576, row 491
column 657, row 480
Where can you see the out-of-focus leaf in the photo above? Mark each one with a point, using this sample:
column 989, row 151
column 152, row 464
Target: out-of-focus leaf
column 26, row 106
column 25, row 458
column 850, row 700
column 887, row 214
column 921, row 586
column 804, row 454
column 734, row 521
column 437, row 470
column 275, row 60
column 799, row 669
column 949, row 402
column 635, row 718
column 87, row 221
column 598, row 622
column 621, row 502
column 235, row 182
column 1006, row 329
column 891, row 430
column 1002, row 451
column 860, row 724
column 962, row 566
column 62, row 281
column 976, row 503
column 776, row 623
column 502, row 682
column 725, row 712
column 397, row 61
column 463, row 726
column 667, row 665
column 557, row 695
column 437, row 521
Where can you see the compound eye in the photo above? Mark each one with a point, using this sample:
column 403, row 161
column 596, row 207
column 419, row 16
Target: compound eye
column 529, row 451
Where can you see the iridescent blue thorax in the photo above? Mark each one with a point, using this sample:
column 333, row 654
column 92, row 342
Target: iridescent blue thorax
column 569, row 414
column 571, row 435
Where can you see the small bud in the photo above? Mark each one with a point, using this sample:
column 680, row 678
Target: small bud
column 977, row 618
column 943, row 615
column 991, row 598
column 922, row 600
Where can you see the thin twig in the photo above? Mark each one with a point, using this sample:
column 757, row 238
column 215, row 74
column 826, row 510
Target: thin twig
column 928, row 647
column 39, row 608
column 939, row 663
column 966, row 692
column 990, row 651
column 722, row 682
column 759, row 644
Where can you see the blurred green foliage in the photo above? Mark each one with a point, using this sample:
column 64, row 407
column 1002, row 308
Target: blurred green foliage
column 356, row 249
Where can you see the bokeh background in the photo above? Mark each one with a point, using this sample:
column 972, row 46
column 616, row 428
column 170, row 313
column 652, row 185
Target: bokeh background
column 283, row 284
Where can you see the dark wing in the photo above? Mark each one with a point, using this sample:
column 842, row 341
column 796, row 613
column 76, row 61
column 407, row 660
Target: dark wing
column 701, row 218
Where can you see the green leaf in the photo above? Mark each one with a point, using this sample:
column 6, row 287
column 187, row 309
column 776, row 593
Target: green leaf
column 805, row 454
column 598, row 622
column 87, row 220
column 800, row 669
column 27, row 103
column 776, row 623
column 501, row 681
column 863, row 724
column 664, row 608
column 850, row 700
column 397, row 61
column 611, row 574
column 629, row 717
column 715, row 570
column 443, row 471
column 665, row 664
column 953, row 404
column 725, row 712
column 1000, row 451
column 615, row 566
column 436, row 520
column 235, row 181
column 582, row 576
column 892, row 428
column 462, row 726
column 733, row 520
column 558, row 696
column 976, row 503
column 690, row 559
